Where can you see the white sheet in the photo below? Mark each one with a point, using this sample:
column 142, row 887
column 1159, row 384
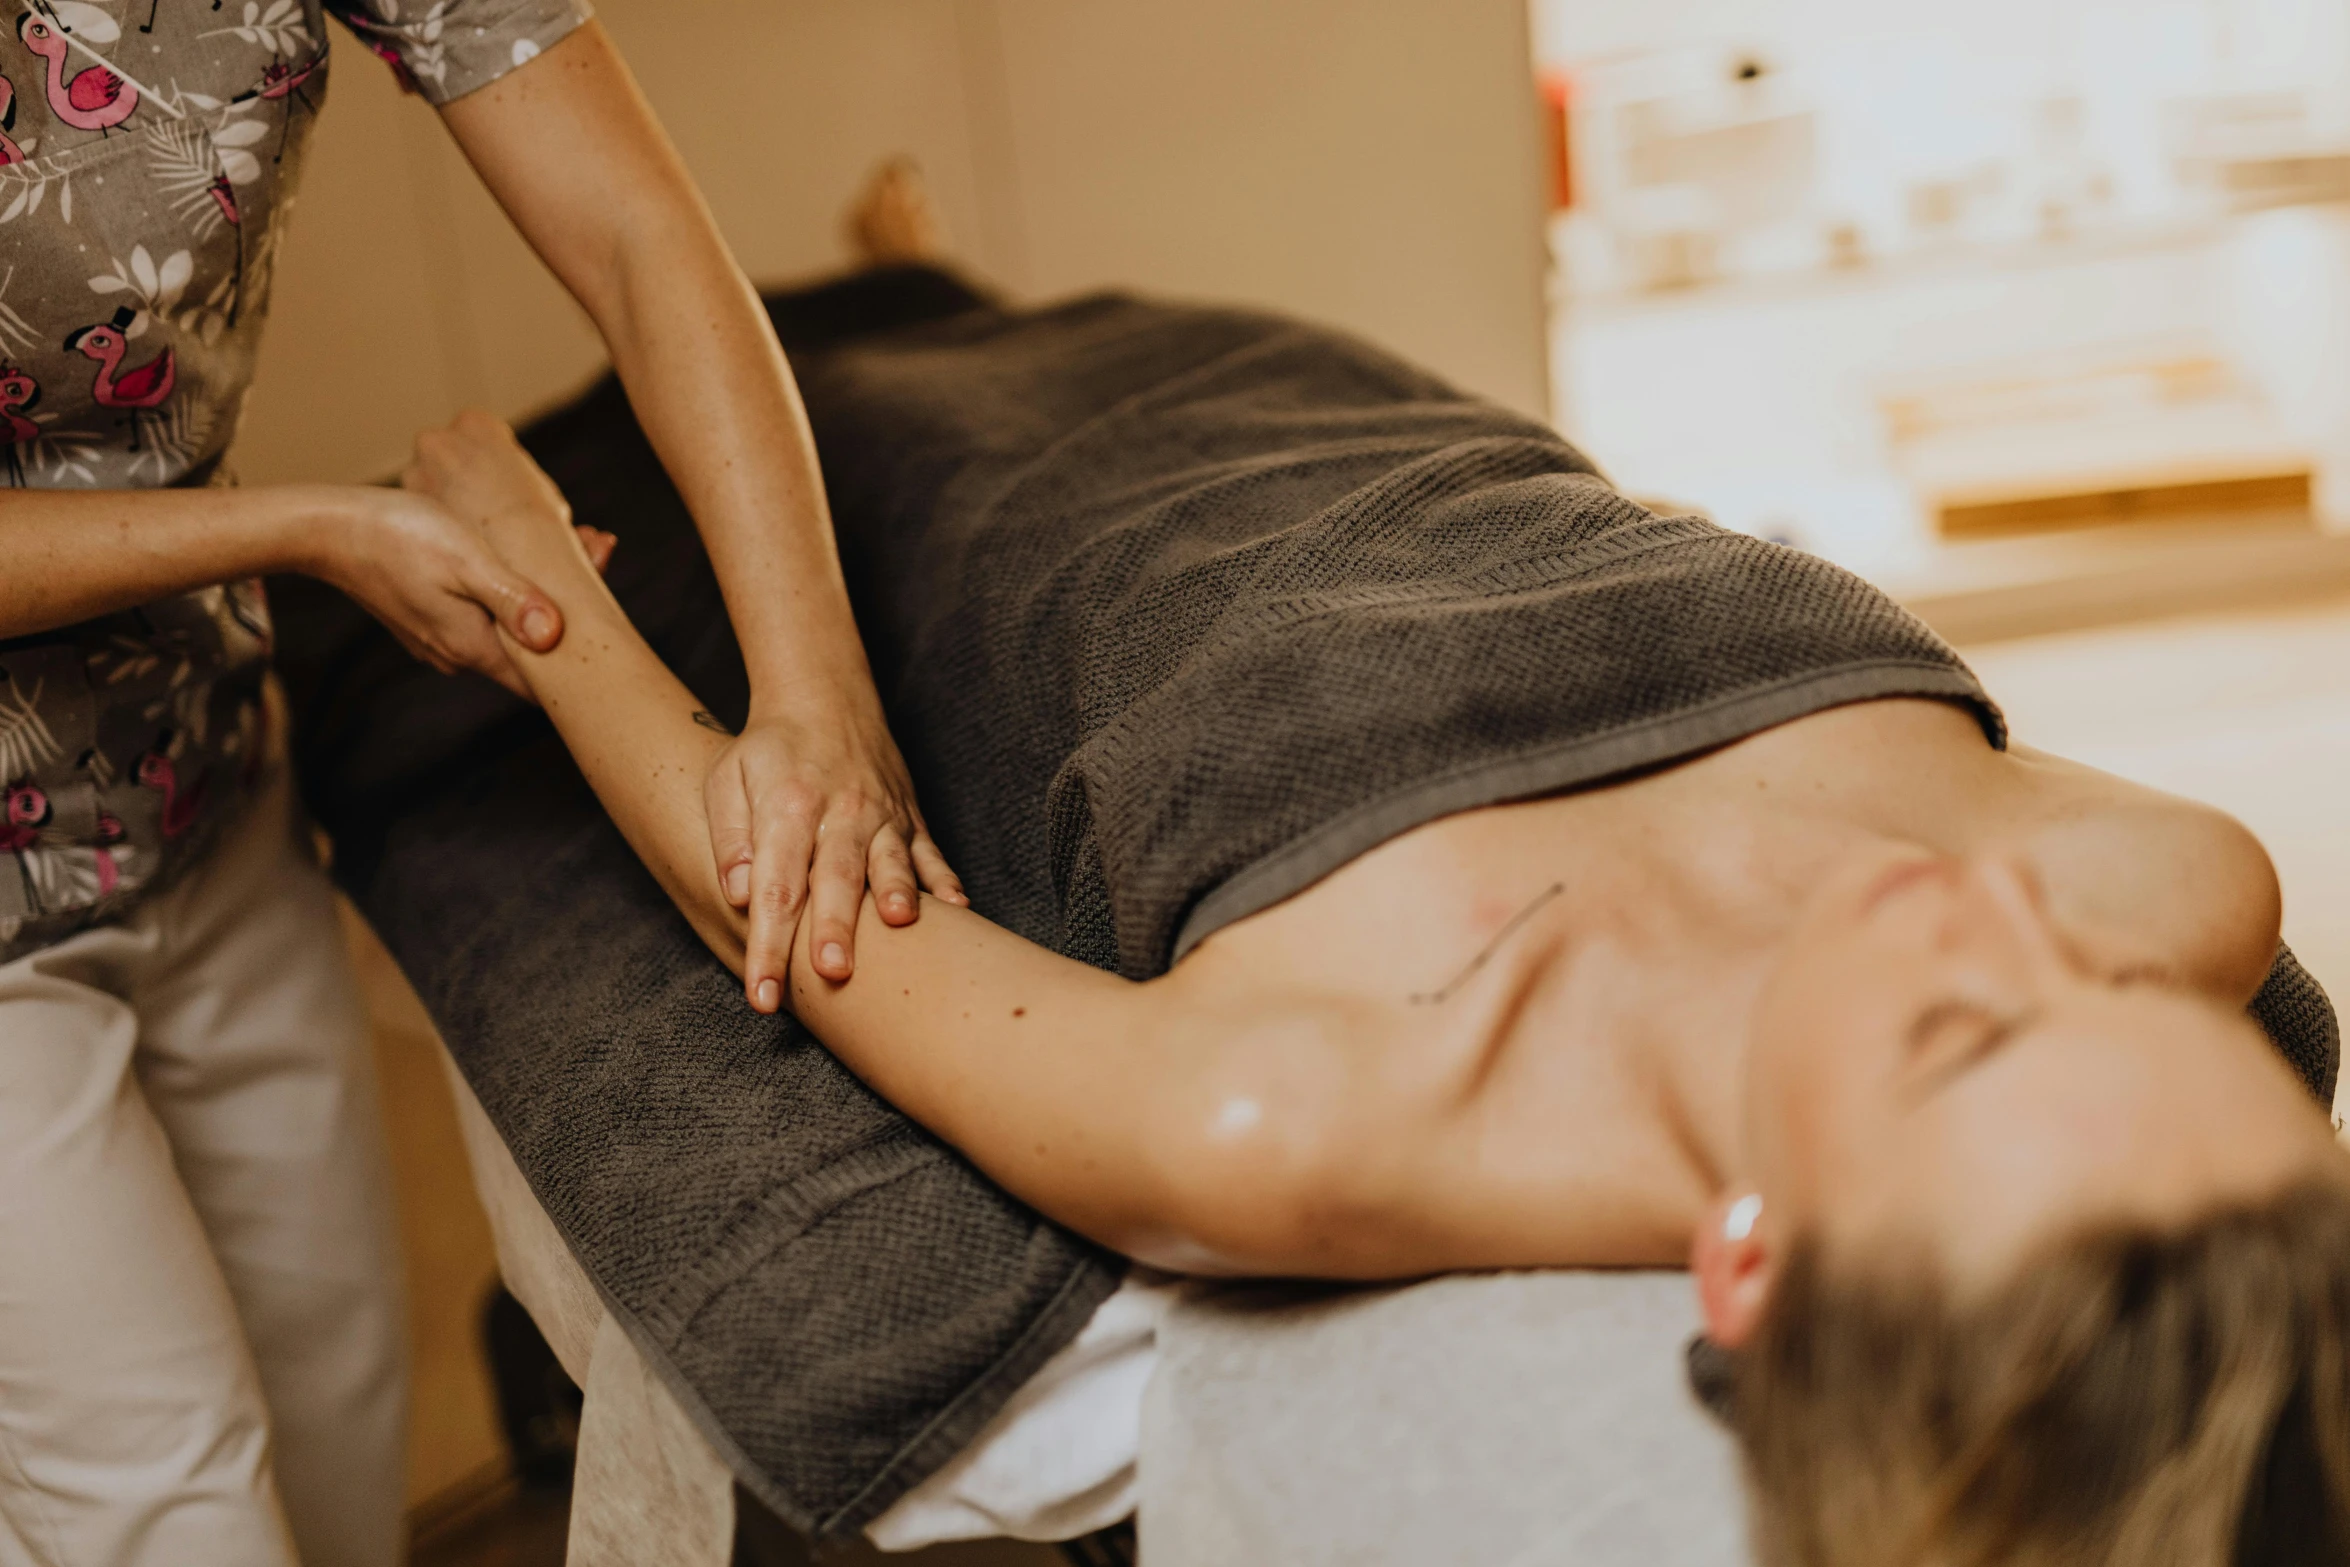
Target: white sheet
column 1061, row 1459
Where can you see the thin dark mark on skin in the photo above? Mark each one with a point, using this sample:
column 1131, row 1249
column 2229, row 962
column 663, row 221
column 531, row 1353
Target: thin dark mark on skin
column 1019, row 1012
column 709, row 721
column 1431, row 997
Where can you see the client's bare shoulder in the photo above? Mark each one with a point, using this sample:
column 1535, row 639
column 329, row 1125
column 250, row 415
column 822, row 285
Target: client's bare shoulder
column 2147, row 883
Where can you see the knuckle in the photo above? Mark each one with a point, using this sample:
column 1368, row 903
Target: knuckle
column 776, row 816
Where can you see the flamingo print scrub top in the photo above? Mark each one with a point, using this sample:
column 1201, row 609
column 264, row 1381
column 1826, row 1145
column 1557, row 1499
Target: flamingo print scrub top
column 149, row 152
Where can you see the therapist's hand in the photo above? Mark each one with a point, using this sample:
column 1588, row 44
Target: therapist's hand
column 437, row 584
column 808, row 805
column 422, row 558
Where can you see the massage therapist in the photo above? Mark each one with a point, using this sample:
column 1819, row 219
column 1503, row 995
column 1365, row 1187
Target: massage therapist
column 201, row 1324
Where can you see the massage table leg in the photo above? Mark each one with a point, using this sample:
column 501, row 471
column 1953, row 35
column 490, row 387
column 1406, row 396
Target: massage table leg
column 647, row 1486
column 648, row 1490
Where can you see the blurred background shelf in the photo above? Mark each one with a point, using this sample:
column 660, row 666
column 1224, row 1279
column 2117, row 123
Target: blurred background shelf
column 1996, row 589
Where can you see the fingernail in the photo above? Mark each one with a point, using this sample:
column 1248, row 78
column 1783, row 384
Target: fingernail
column 738, row 885
column 834, row 955
column 537, row 625
column 770, row 995
column 899, row 903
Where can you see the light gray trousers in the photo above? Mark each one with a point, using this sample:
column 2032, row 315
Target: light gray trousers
column 202, row 1344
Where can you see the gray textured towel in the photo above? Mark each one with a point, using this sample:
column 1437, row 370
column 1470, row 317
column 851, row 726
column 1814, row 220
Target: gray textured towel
column 1174, row 610
column 1184, row 608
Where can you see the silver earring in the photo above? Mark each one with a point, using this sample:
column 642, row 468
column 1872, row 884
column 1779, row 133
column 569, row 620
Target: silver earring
column 1739, row 1222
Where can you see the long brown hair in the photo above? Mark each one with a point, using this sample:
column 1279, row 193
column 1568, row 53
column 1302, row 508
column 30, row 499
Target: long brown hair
column 2130, row 1399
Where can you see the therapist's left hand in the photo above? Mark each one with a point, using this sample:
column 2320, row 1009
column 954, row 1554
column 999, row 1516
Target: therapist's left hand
column 809, row 805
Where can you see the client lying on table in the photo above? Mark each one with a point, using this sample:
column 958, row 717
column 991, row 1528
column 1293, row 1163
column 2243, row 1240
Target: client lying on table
column 1929, row 1056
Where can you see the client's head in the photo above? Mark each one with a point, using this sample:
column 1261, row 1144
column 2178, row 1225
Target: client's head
column 2033, row 1261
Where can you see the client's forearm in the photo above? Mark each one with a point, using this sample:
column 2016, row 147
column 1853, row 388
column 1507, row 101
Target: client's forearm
column 630, row 725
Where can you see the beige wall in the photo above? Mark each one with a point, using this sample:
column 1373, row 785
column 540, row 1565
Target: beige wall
column 1372, row 163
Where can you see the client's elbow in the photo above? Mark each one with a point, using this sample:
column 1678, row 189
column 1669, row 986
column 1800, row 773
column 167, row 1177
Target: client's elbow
column 1275, row 1172
column 722, row 927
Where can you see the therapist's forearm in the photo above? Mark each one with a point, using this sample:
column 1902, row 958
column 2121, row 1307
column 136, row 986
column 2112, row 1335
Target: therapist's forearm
column 74, row 555
column 812, row 802
column 716, row 398
column 594, row 183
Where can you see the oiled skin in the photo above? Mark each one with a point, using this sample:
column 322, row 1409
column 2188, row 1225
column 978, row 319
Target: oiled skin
column 1337, row 1086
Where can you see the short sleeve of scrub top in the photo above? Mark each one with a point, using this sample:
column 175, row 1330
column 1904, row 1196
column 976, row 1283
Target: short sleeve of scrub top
column 444, row 49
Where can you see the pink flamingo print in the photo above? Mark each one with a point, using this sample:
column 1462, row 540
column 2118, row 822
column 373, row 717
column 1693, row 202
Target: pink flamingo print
column 17, row 391
column 281, row 80
column 110, row 833
column 135, row 391
column 93, row 98
column 391, row 57
column 224, row 196
column 10, row 152
column 27, row 813
column 157, row 771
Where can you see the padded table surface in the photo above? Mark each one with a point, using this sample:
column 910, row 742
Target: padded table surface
column 1499, row 1420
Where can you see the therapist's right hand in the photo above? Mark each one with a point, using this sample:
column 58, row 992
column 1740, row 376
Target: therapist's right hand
column 438, row 585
